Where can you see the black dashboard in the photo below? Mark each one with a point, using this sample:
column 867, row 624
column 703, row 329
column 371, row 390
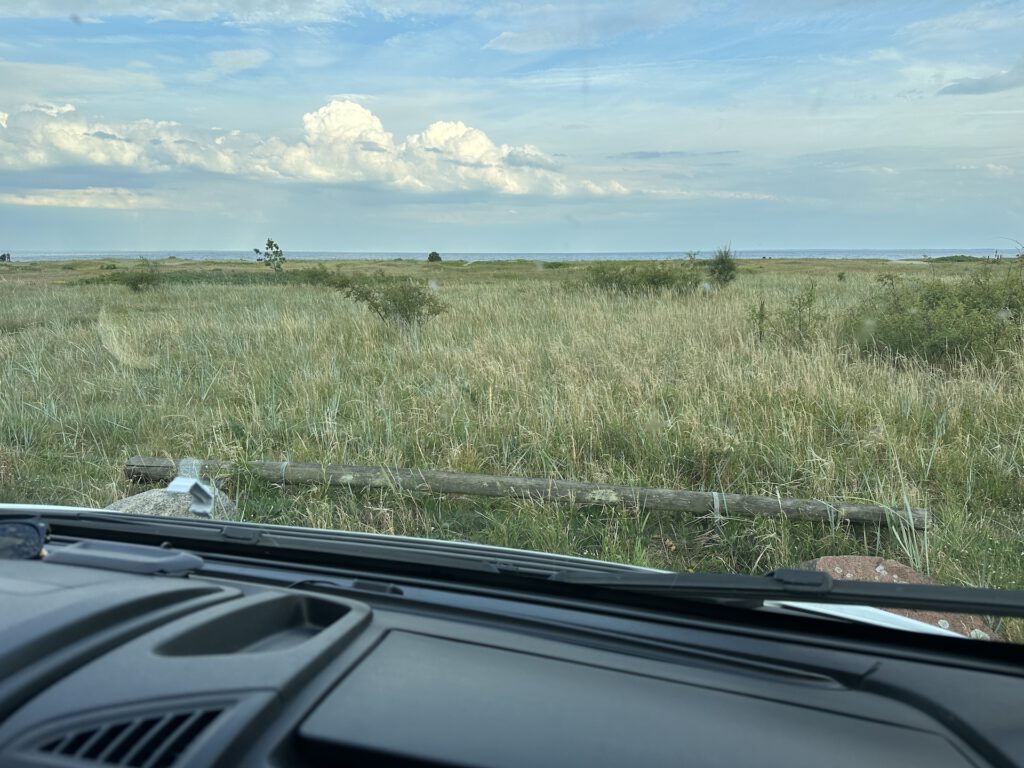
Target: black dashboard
column 256, row 666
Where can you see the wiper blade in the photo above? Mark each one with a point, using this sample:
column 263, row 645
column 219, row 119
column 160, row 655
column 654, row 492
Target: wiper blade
column 811, row 586
column 295, row 543
column 533, row 572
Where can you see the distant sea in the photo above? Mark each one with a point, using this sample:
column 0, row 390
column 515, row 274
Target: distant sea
column 892, row 254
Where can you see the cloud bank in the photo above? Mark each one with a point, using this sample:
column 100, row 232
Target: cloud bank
column 341, row 143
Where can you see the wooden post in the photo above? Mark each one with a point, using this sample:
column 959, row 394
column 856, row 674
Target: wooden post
column 151, row 469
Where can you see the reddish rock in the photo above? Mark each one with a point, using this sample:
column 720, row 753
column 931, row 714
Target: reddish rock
column 857, row 568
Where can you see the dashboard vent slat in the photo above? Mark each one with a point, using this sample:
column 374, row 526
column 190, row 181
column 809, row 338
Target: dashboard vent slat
column 146, row 741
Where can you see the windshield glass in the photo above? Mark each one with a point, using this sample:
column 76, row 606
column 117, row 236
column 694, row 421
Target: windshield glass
column 712, row 286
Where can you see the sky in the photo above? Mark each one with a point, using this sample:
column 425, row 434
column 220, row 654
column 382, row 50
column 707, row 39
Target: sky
column 418, row 125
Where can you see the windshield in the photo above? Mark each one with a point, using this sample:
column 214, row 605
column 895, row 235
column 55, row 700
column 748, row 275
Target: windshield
column 708, row 286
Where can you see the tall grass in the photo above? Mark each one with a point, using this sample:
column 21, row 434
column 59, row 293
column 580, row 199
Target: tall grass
column 522, row 377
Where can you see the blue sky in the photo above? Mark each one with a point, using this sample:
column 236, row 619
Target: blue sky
column 437, row 124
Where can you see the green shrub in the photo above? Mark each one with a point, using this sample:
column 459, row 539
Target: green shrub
column 142, row 277
column 108, row 266
column 940, row 321
column 802, row 317
column 639, row 279
column 434, row 256
column 796, row 323
column 399, row 302
column 319, row 275
column 722, row 267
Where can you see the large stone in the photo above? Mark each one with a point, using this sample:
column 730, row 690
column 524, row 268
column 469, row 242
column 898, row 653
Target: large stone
column 877, row 569
column 163, row 503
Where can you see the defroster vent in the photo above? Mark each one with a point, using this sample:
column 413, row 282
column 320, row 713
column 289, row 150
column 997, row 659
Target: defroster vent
column 145, row 741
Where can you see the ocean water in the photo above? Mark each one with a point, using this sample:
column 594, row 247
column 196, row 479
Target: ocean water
column 893, row 254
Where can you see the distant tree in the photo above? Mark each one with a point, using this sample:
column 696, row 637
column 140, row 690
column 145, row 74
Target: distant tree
column 434, row 256
column 722, row 267
column 271, row 255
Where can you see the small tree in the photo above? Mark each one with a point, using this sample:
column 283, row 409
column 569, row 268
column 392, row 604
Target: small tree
column 722, row 267
column 434, row 256
column 271, row 255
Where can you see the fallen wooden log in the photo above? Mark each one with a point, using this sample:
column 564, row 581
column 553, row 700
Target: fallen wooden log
column 142, row 468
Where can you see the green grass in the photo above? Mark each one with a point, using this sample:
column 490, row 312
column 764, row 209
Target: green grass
column 519, row 377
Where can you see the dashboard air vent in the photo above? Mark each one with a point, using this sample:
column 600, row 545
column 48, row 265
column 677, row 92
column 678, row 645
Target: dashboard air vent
column 145, row 741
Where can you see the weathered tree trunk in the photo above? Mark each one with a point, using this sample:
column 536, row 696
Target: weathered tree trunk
column 571, row 491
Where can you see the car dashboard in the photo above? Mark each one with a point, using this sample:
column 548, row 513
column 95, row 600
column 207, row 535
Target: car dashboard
column 265, row 664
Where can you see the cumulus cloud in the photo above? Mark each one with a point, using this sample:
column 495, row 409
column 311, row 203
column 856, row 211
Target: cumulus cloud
column 109, row 198
column 343, row 142
column 1003, row 81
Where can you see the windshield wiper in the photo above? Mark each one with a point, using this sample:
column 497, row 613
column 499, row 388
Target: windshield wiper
column 808, row 586
column 535, row 572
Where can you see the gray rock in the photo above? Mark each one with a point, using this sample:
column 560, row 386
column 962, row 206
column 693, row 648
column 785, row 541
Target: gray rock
column 166, row 504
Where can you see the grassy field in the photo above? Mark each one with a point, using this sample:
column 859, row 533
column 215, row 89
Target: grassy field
column 525, row 374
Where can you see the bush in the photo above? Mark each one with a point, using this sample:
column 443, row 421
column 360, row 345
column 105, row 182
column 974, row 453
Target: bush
column 271, row 255
column 319, row 275
column 796, row 323
column 639, row 279
column 142, row 277
column 941, row 321
column 722, row 267
column 434, row 256
column 398, row 302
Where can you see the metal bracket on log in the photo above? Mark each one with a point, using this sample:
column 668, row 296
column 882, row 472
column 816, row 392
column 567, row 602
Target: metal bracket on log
column 149, row 469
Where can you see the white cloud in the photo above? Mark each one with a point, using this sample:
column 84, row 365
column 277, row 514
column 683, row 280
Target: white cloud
column 712, row 194
column 966, row 24
column 49, row 109
column 250, row 12
column 109, row 198
column 3, row 119
column 238, row 60
column 224, row 63
column 28, row 82
column 561, row 26
column 343, row 142
column 1004, row 80
column 997, row 169
column 535, row 40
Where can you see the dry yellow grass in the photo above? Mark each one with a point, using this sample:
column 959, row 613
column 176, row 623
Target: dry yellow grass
column 521, row 376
